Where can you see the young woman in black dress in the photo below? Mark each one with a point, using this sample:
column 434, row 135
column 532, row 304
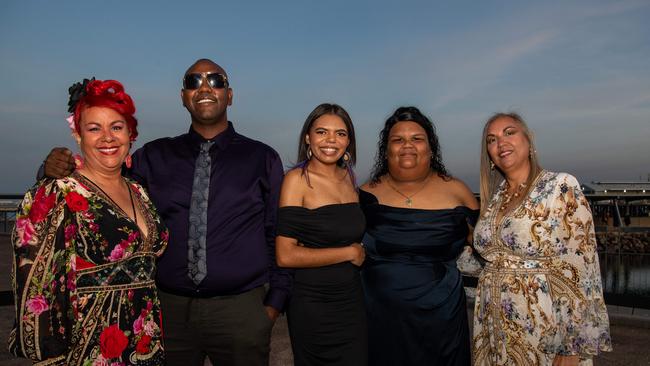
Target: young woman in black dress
column 320, row 226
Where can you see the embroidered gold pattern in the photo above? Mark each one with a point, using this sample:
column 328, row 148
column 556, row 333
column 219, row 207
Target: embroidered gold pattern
column 540, row 293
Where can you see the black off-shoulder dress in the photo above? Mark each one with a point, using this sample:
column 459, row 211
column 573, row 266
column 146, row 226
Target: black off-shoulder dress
column 326, row 314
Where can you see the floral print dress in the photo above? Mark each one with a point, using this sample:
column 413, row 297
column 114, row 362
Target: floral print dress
column 540, row 292
column 84, row 277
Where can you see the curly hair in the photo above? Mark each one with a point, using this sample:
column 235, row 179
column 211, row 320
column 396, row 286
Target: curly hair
column 107, row 94
column 411, row 114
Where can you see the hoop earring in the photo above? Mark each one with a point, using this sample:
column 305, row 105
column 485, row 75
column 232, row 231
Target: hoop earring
column 347, row 157
column 309, row 153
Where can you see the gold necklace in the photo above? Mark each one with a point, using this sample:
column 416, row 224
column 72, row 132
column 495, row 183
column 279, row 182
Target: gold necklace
column 409, row 199
column 507, row 197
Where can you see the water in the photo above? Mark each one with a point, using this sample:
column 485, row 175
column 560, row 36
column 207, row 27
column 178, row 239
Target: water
column 626, row 279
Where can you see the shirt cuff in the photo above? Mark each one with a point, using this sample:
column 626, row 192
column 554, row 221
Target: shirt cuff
column 277, row 299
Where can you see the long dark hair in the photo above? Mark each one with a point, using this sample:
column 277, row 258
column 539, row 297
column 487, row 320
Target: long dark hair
column 319, row 111
column 303, row 147
column 411, row 114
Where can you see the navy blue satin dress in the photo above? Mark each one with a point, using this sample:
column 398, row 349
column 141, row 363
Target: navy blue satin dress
column 415, row 301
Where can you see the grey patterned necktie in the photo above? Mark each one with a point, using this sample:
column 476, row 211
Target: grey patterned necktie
column 196, row 254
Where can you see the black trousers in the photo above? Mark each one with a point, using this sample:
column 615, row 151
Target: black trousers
column 230, row 330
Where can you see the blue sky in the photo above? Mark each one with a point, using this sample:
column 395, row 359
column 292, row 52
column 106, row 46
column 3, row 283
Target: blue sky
column 578, row 71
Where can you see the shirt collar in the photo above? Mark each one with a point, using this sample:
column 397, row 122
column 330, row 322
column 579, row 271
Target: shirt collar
column 221, row 141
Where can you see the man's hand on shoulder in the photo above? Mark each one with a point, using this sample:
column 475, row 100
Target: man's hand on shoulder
column 59, row 163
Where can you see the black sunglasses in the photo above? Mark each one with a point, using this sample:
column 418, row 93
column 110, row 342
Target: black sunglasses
column 193, row 81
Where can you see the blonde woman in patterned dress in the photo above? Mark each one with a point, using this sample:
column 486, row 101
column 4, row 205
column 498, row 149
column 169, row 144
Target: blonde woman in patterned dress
column 86, row 247
column 539, row 299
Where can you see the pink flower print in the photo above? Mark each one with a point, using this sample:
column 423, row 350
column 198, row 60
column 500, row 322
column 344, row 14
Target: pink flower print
column 164, row 235
column 88, row 215
column 150, row 328
column 37, row 305
column 69, row 232
column 25, row 231
column 134, row 235
column 117, row 253
column 100, row 361
column 138, row 324
column 93, row 227
column 117, row 364
column 71, row 284
column 130, row 295
column 149, row 305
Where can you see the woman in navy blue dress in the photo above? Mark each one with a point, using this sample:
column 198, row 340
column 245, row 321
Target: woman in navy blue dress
column 418, row 222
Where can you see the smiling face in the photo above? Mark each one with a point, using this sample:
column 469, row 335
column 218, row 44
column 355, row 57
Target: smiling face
column 408, row 149
column 507, row 145
column 103, row 139
column 207, row 105
column 328, row 139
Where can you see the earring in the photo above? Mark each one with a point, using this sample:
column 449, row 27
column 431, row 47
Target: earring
column 491, row 165
column 309, row 153
column 78, row 161
column 346, row 157
column 127, row 161
column 531, row 152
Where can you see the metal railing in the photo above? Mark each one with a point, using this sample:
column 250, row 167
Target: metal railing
column 8, row 208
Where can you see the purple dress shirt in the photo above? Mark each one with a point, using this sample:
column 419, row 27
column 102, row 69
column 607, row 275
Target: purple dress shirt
column 245, row 185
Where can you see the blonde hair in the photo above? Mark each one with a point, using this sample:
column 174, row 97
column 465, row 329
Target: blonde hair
column 490, row 177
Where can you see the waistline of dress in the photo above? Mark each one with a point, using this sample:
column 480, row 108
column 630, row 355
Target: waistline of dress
column 515, row 264
column 135, row 271
column 128, row 286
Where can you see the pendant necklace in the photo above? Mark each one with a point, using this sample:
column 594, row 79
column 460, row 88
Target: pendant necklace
column 408, row 198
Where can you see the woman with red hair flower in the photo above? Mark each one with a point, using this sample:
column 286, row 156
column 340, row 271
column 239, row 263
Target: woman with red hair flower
column 86, row 247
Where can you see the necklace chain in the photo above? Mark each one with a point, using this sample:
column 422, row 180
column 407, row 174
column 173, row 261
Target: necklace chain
column 507, row 197
column 408, row 199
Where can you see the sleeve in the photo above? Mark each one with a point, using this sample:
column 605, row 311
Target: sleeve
column 579, row 305
column 42, row 277
column 280, row 278
column 139, row 167
column 469, row 263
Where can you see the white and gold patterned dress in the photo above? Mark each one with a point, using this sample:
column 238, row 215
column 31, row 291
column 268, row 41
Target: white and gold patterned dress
column 540, row 293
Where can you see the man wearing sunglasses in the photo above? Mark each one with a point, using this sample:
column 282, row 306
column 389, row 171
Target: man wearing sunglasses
column 217, row 191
